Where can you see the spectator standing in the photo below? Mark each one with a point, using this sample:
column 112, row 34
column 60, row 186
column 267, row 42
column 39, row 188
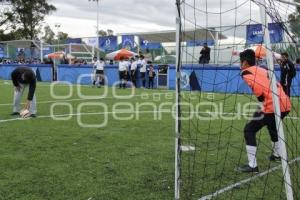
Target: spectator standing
column 128, row 63
column 204, row 54
column 143, row 69
column 151, row 76
column 123, row 68
column 288, row 72
column 133, row 68
column 98, row 72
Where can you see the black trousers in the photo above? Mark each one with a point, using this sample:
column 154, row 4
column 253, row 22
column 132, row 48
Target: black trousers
column 151, row 82
column 133, row 79
column 260, row 120
column 54, row 74
column 99, row 74
column 287, row 87
column 143, row 78
column 123, row 78
column 203, row 60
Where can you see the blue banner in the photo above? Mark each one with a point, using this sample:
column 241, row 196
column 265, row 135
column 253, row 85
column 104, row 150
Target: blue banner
column 145, row 44
column 276, row 32
column 193, row 43
column 108, row 43
column 255, row 33
column 128, row 42
column 74, row 40
column 2, row 52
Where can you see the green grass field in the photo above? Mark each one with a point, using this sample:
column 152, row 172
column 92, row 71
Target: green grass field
column 54, row 157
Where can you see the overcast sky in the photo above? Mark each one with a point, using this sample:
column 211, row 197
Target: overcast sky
column 78, row 17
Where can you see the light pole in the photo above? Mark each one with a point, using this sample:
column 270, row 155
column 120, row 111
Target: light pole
column 97, row 35
column 57, row 26
column 41, row 50
column 41, row 42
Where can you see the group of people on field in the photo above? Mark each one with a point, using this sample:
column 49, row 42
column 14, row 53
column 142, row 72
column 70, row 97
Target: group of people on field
column 127, row 69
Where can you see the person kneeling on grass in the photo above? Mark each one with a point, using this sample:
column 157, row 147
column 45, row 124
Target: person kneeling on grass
column 257, row 79
column 23, row 77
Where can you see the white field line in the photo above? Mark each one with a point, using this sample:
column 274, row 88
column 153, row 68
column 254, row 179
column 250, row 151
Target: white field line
column 140, row 95
column 90, row 99
column 48, row 84
column 45, row 102
column 123, row 112
column 45, row 84
column 82, row 114
column 58, row 83
column 161, row 92
column 210, row 196
column 230, row 187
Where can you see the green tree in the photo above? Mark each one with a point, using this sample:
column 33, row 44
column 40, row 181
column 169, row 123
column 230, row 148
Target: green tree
column 48, row 35
column 9, row 36
column 102, row 33
column 26, row 16
column 62, row 37
column 108, row 32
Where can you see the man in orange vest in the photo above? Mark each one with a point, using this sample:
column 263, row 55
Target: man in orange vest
column 257, row 79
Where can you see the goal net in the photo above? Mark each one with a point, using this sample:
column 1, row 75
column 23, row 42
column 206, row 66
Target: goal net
column 215, row 105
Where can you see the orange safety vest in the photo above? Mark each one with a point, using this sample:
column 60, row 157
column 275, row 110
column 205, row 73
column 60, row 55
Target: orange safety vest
column 258, row 80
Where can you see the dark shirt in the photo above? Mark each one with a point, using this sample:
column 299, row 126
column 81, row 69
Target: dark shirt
column 205, row 53
column 151, row 73
column 288, row 71
column 24, row 75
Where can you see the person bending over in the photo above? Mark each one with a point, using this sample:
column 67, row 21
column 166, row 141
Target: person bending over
column 257, row 79
column 23, row 77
